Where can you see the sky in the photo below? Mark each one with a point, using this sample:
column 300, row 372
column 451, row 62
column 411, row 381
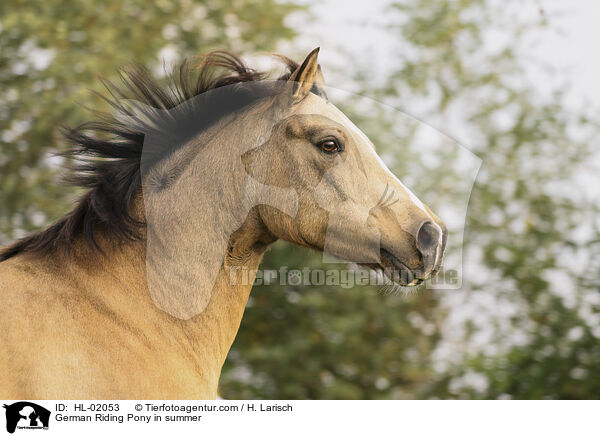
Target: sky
column 575, row 49
column 357, row 27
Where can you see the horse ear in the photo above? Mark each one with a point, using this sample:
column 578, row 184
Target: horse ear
column 306, row 75
column 320, row 80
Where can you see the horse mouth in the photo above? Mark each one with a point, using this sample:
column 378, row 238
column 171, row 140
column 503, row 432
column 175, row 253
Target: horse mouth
column 395, row 270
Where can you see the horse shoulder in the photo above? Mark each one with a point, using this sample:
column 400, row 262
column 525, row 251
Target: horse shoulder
column 34, row 316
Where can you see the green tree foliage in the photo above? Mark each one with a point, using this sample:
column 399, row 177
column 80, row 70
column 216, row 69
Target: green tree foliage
column 328, row 342
column 52, row 52
column 527, row 219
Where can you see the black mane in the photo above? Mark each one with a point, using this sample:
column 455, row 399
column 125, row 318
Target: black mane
column 108, row 151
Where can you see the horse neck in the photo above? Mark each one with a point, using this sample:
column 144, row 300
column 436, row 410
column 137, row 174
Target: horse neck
column 210, row 332
column 118, row 283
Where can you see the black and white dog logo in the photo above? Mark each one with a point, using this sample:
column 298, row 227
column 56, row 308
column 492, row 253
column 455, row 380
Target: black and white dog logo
column 26, row 415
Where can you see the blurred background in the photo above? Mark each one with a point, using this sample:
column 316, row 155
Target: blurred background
column 514, row 82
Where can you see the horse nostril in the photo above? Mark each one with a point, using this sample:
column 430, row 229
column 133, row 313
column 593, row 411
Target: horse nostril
column 428, row 237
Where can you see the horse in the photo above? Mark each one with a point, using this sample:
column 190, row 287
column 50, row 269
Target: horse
column 137, row 293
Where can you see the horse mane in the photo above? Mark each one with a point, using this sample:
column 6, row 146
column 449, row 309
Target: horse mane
column 108, row 152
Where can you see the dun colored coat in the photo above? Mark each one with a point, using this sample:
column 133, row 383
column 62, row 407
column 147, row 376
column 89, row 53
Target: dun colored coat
column 86, row 314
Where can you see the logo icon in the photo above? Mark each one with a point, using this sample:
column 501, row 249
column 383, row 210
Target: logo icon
column 26, row 415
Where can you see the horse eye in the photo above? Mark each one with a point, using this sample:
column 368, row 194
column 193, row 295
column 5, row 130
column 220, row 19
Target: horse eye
column 330, row 146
